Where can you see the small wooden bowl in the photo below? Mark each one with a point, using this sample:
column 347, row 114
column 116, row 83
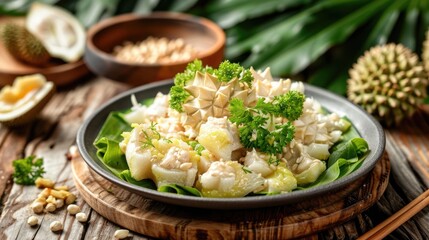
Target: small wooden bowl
column 202, row 34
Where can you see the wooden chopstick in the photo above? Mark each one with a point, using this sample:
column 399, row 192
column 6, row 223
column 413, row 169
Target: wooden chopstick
column 393, row 222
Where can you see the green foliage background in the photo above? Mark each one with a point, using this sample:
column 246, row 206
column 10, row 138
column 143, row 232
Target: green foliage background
column 316, row 41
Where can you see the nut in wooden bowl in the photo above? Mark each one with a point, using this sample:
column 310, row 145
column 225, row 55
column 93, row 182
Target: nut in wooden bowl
column 138, row 49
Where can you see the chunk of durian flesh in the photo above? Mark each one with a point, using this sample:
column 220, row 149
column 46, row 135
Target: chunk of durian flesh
column 313, row 169
column 228, row 179
column 138, row 158
column 218, row 137
column 282, row 180
column 255, row 162
column 177, row 167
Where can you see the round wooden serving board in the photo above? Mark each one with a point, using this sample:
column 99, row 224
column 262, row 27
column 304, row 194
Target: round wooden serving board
column 161, row 220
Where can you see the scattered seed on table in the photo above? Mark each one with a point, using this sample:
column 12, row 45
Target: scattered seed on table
column 37, row 207
column 121, row 233
column 33, row 221
column 81, row 217
column 73, row 209
column 50, row 207
column 56, row 226
column 59, row 203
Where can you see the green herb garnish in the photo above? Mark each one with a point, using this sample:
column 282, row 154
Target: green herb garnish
column 196, row 146
column 257, row 127
column 246, row 170
column 27, row 170
column 228, row 71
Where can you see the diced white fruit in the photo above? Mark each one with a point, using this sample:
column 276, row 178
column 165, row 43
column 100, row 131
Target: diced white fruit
column 229, row 179
column 282, row 180
column 175, row 168
column 173, row 176
column 318, row 150
column 217, row 136
column 310, row 174
column 254, row 162
column 138, row 158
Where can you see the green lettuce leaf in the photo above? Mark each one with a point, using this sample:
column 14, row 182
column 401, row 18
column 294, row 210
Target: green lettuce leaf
column 346, row 158
column 353, row 148
column 109, row 152
column 179, row 189
column 113, row 127
column 107, row 143
column 147, row 183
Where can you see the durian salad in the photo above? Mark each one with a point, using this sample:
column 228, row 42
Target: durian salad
column 229, row 132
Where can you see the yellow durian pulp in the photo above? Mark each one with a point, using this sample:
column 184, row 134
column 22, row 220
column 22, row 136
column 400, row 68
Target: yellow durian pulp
column 24, row 100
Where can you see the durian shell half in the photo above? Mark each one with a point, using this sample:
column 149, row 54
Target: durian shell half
column 31, row 109
column 61, row 33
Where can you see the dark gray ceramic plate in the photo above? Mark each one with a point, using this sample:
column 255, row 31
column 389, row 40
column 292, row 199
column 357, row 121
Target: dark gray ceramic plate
column 367, row 126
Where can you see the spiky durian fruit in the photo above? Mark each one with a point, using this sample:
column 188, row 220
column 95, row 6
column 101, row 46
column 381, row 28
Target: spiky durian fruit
column 210, row 98
column 425, row 52
column 23, row 45
column 389, row 82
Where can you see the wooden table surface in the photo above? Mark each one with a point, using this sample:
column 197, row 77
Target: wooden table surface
column 52, row 134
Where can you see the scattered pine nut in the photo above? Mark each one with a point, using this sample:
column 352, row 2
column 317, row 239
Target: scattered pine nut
column 73, row 209
column 51, row 199
column 59, row 203
column 81, row 217
column 121, row 233
column 50, row 207
column 33, row 221
column 45, row 193
column 37, row 207
column 42, row 200
column 73, row 152
column 56, row 226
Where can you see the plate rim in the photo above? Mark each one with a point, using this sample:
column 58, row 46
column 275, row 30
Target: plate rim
column 238, row 202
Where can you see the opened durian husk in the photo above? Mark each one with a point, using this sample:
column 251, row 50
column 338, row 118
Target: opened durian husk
column 266, row 87
column 210, row 98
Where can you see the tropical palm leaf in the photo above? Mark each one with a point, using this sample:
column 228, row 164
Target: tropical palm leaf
column 319, row 40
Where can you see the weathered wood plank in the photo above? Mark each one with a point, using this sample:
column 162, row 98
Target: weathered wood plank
column 407, row 146
column 412, row 137
column 11, row 144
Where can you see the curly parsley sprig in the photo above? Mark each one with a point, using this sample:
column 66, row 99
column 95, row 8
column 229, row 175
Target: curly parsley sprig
column 256, row 125
column 27, row 170
column 228, row 71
